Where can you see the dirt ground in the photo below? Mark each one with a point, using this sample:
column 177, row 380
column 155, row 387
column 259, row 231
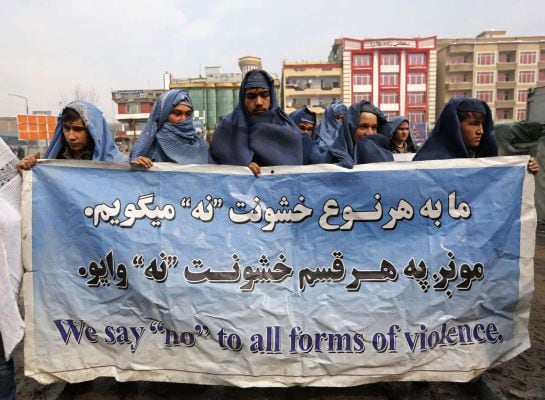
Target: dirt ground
column 520, row 378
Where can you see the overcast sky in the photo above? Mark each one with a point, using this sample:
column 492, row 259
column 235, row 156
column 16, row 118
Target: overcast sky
column 49, row 48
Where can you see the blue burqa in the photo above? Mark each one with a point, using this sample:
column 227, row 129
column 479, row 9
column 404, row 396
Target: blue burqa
column 311, row 152
column 105, row 148
column 163, row 141
column 270, row 138
column 368, row 149
column 446, row 139
column 327, row 130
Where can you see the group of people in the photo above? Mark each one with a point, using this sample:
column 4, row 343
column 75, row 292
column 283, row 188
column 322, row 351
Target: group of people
column 256, row 134
column 259, row 133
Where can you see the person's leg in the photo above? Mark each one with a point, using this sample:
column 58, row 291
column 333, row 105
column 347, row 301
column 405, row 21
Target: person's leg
column 7, row 376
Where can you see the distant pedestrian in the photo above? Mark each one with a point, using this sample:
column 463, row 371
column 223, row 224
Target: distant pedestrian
column 401, row 140
column 328, row 129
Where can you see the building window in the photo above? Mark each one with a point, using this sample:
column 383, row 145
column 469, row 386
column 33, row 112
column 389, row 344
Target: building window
column 362, row 60
column 389, row 98
column 507, row 57
column 389, row 79
column 522, row 96
column 504, row 113
column 362, row 79
column 417, row 116
column 460, row 59
column 414, row 98
column 361, row 96
column 458, row 94
column 417, row 59
column 527, row 76
column 486, row 58
column 133, row 108
column 542, row 74
column 454, row 78
column 505, row 95
column 542, row 55
column 528, row 57
column 521, row 114
column 390, row 115
column 389, row 59
column 485, row 95
column 485, row 78
column 416, row 78
column 506, row 76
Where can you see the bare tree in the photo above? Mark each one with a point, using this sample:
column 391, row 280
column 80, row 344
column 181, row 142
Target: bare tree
column 80, row 93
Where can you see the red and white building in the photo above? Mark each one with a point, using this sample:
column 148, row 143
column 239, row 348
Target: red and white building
column 398, row 75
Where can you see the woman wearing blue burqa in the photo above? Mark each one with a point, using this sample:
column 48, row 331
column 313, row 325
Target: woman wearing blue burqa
column 362, row 137
column 81, row 133
column 258, row 132
column 327, row 130
column 169, row 134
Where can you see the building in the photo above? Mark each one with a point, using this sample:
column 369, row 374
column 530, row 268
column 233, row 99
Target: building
column 216, row 94
column 312, row 84
column 133, row 109
column 396, row 74
column 9, row 133
column 492, row 67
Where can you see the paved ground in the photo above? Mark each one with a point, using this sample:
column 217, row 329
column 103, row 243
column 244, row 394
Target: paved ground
column 520, row 378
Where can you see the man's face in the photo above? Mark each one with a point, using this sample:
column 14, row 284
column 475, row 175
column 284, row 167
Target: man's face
column 306, row 127
column 367, row 125
column 472, row 130
column 76, row 135
column 257, row 100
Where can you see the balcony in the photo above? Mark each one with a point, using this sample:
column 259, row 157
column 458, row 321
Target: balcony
column 507, row 66
column 301, row 91
column 507, row 47
column 505, row 103
column 459, row 85
column 459, row 67
column 506, row 84
column 460, row 48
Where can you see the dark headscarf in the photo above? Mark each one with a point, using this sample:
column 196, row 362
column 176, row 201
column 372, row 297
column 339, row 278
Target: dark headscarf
column 270, row 138
column 446, row 139
column 164, row 141
column 394, row 124
column 304, row 115
column 369, row 149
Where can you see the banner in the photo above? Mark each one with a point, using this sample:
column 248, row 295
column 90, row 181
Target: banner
column 313, row 275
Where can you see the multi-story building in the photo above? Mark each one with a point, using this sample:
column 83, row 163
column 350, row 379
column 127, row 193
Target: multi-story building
column 216, row 94
column 133, row 108
column 492, row 67
column 396, row 74
column 311, row 84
